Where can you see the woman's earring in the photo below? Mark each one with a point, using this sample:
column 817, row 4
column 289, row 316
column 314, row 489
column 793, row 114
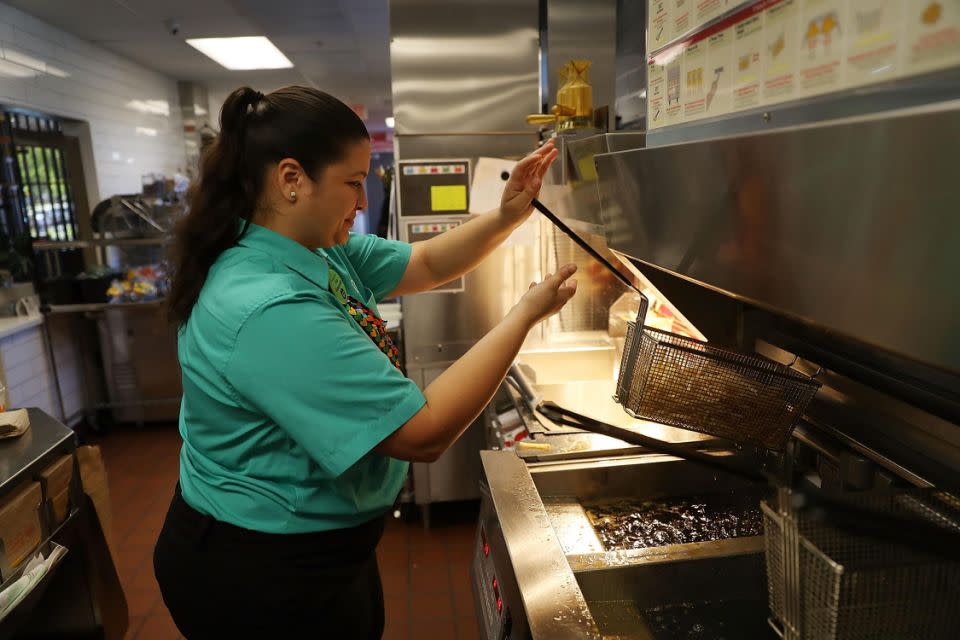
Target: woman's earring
column 293, row 195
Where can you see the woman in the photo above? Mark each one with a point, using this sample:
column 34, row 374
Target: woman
column 297, row 422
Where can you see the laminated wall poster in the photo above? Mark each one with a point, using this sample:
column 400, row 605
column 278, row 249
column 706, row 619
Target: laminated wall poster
column 748, row 42
column 781, row 36
column 694, row 78
column 820, row 58
column 932, row 39
column 680, row 20
column 656, row 95
column 774, row 51
column 658, row 29
column 707, row 10
column 872, row 41
column 673, row 68
column 719, row 97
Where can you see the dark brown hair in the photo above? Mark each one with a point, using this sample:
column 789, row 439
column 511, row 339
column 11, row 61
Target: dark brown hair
column 255, row 130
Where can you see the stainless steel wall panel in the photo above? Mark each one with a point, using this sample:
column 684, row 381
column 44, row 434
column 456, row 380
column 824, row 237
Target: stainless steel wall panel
column 461, row 66
column 851, row 226
column 583, row 30
column 502, row 145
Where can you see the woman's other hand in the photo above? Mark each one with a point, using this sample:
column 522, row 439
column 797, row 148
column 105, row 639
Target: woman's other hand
column 525, row 182
column 544, row 299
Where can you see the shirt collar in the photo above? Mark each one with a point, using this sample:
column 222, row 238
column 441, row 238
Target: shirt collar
column 309, row 264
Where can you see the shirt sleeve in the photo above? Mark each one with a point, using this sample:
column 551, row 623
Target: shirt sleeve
column 301, row 363
column 380, row 263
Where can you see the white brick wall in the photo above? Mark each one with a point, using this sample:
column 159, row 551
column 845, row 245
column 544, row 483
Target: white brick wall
column 27, row 371
column 112, row 94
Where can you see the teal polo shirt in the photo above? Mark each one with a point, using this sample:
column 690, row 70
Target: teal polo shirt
column 284, row 395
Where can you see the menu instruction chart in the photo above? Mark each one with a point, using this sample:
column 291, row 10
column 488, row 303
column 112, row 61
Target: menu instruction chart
column 719, row 98
column 819, row 61
column 656, row 95
column 872, row 41
column 658, row 33
column 680, row 17
column 694, row 70
column 932, row 37
column 674, row 108
column 748, row 43
column 746, row 55
column 781, row 49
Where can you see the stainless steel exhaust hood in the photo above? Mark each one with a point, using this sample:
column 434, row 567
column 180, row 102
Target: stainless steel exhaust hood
column 851, row 226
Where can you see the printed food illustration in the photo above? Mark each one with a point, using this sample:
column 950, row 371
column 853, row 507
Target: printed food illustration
column 776, row 47
column 744, row 62
column 931, row 15
column 713, row 86
column 673, row 84
column 820, row 30
column 695, row 80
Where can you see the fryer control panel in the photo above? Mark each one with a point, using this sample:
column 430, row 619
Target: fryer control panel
column 492, row 611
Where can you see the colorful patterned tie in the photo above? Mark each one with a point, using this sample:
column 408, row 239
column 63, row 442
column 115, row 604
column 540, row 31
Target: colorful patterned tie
column 375, row 328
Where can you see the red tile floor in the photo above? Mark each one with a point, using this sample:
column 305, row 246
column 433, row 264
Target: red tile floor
column 425, row 573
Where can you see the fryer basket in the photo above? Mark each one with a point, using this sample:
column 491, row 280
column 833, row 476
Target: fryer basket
column 687, row 383
column 828, row 583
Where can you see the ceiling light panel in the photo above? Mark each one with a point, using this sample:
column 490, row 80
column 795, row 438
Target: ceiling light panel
column 242, row 54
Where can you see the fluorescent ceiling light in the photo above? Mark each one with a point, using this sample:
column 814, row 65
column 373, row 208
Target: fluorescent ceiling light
column 252, row 52
column 390, row 122
column 146, row 131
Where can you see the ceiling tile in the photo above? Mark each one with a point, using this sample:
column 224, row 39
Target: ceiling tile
column 314, row 44
column 354, row 35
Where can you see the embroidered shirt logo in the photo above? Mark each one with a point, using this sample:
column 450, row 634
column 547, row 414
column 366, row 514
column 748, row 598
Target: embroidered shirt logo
column 337, row 287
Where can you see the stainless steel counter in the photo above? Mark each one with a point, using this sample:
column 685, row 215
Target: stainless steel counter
column 595, row 400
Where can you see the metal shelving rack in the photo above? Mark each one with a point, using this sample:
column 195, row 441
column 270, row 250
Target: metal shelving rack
column 125, row 389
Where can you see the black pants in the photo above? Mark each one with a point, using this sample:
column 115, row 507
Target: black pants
column 222, row 581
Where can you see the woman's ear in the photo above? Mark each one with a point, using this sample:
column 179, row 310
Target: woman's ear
column 290, row 179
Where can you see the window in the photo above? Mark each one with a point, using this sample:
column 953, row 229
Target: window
column 36, row 148
column 46, row 195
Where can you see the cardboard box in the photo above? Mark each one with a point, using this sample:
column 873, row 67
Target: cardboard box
column 59, row 507
column 56, row 477
column 20, row 531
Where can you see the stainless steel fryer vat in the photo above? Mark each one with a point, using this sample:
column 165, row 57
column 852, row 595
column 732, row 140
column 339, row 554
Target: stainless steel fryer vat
column 536, row 539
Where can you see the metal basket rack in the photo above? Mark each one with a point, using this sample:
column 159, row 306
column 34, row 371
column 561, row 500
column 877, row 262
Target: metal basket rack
column 687, row 383
column 828, row 583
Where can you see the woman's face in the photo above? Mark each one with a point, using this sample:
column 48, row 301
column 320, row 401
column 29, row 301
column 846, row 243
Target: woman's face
column 328, row 206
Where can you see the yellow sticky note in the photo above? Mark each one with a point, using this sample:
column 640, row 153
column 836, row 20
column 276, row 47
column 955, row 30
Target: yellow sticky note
column 448, row 198
column 588, row 171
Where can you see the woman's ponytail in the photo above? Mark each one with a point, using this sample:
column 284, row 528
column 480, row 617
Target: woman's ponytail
column 255, row 129
column 218, row 200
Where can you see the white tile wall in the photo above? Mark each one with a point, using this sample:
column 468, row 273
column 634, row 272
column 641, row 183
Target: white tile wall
column 123, row 102
column 27, row 371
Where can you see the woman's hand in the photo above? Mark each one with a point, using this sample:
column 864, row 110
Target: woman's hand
column 525, row 182
column 546, row 298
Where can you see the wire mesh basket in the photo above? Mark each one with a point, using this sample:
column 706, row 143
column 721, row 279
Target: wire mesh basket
column 826, row 583
column 686, row 383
